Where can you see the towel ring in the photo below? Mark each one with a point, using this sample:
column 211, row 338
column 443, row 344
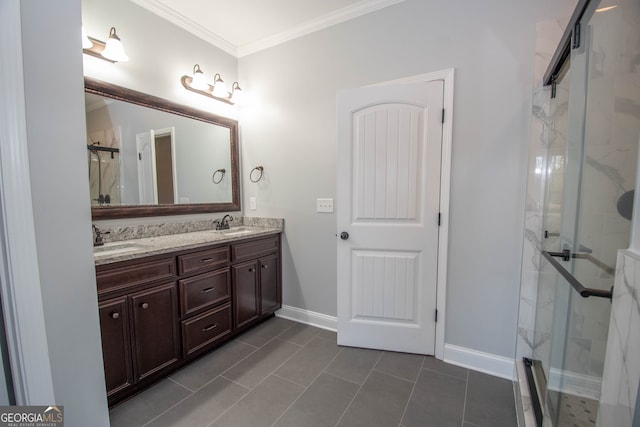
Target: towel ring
column 221, row 172
column 260, row 169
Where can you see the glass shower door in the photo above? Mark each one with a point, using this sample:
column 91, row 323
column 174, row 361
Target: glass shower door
column 590, row 177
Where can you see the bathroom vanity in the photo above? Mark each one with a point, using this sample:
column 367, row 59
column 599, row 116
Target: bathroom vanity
column 166, row 300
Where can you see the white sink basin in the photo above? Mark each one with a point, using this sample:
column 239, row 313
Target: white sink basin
column 236, row 231
column 115, row 248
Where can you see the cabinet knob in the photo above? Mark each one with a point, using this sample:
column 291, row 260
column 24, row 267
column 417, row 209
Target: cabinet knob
column 115, row 315
column 265, row 266
column 144, row 305
column 250, row 270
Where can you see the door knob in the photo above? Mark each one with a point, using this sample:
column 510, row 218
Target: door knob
column 344, row 235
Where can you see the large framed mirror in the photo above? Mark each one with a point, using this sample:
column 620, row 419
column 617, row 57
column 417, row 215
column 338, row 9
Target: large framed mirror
column 148, row 156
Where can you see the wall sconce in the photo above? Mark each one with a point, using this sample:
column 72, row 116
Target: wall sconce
column 197, row 83
column 111, row 51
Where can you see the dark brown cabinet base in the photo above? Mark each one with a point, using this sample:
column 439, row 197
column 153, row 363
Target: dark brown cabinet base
column 160, row 313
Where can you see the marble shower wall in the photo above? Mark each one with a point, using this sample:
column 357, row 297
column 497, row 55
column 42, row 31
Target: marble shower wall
column 621, row 377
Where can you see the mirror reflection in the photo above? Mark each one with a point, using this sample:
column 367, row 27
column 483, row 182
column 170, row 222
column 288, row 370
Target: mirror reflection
column 148, row 156
column 142, row 156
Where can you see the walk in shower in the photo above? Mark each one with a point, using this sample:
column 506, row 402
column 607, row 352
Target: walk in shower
column 589, row 170
column 104, row 174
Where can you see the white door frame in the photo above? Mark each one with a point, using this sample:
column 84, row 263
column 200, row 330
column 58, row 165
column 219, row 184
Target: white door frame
column 445, row 75
column 22, row 303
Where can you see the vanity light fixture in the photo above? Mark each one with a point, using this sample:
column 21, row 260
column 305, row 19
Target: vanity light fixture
column 197, row 83
column 111, row 51
column 236, row 93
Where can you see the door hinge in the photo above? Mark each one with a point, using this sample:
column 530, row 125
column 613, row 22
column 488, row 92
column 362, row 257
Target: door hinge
column 439, row 219
column 443, row 115
column 436, row 315
column 139, row 156
column 576, row 36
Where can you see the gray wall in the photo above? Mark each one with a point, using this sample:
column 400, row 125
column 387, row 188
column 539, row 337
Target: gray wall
column 62, row 219
column 290, row 129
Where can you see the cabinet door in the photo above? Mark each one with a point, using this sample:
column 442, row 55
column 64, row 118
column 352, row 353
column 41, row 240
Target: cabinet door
column 245, row 293
column 269, row 284
column 155, row 329
column 116, row 345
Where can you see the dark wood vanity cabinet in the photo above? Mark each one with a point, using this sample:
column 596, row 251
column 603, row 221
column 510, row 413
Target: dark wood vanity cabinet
column 155, row 335
column 116, row 348
column 256, row 279
column 161, row 312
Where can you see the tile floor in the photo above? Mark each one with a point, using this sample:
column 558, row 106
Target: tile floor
column 284, row 373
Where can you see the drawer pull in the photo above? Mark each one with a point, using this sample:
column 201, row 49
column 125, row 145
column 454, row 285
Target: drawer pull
column 144, row 305
column 203, row 260
column 207, row 290
column 115, row 315
column 210, row 327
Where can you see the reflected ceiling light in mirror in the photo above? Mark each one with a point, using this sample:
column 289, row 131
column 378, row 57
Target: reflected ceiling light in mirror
column 111, row 51
column 197, row 83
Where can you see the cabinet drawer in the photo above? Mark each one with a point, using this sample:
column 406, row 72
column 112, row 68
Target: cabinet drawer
column 205, row 329
column 209, row 259
column 204, row 290
column 136, row 274
column 253, row 249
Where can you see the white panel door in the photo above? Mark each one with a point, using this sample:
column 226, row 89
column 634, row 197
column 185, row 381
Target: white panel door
column 389, row 155
column 147, row 184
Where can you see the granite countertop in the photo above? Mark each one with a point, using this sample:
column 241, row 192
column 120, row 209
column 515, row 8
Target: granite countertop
column 137, row 248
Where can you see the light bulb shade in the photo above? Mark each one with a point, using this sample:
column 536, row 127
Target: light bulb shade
column 86, row 43
column 198, row 81
column 236, row 93
column 219, row 88
column 113, row 49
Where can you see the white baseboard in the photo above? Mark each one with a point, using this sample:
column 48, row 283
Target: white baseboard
column 498, row 366
column 574, row 383
column 491, row 364
column 312, row 318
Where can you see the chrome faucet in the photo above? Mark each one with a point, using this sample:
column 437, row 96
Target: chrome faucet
column 97, row 235
column 223, row 224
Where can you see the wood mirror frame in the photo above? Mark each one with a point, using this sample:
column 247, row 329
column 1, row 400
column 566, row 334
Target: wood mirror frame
column 98, row 87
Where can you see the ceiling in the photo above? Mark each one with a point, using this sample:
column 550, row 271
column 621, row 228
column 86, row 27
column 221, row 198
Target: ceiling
column 248, row 26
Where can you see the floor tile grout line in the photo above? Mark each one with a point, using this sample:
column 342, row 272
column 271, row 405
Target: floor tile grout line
column 464, row 405
column 222, row 373
column 307, row 387
column 395, row 376
column 359, row 390
column 449, row 375
column 406, row 406
column 168, row 409
column 173, row 380
column 260, row 382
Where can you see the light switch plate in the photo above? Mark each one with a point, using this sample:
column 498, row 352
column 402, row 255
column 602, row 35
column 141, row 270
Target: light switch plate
column 252, row 203
column 324, row 205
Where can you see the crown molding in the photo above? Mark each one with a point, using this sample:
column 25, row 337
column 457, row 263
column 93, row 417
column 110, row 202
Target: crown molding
column 350, row 12
column 341, row 15
column 187, row 24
